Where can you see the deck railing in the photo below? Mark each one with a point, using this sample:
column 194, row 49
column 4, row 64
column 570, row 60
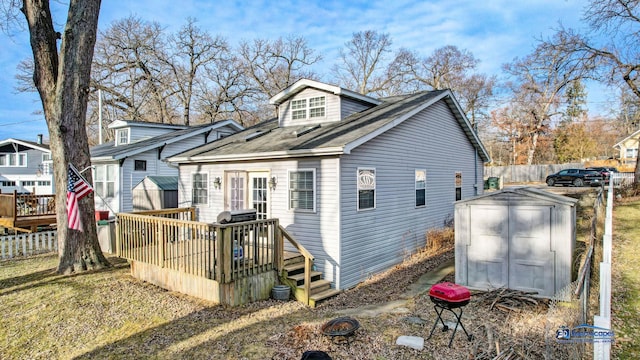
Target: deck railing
column 16, row 205
column 220, row 252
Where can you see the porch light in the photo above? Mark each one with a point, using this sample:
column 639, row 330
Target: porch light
column 273, row 182
column 217, row 182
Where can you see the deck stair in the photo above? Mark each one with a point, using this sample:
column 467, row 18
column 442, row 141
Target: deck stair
column 293, row 275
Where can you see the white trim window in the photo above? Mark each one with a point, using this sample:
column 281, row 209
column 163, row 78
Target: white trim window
column 311, row 108
column 302, row 190
column 104, row 181
column 13, row 160
column 122, row 136
column 366, row 188
column 298, row 109
column 200, row 188
column 421, row 187
column 46, row 157
column 631, row 153
column 317, row 107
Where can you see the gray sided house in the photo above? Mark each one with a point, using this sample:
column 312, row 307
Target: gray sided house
column 358, row 181
column 26, row 167
column 140, row 149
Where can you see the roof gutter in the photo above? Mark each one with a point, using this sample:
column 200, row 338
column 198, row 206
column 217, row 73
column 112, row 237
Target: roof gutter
column 259, row 156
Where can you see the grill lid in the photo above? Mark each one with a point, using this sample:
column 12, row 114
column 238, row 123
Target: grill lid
column 450, row 292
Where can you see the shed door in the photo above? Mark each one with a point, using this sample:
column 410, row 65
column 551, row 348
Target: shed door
column 488, row 248
column 531, row 258
column 511, row 246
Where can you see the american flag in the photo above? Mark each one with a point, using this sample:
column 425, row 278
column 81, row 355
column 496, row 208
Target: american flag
column 77, row 188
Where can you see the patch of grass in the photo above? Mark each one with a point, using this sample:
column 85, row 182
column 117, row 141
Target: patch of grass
column 626, row 280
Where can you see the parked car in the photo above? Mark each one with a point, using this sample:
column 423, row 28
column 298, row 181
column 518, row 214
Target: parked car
column 605, row 171
column 575, row 177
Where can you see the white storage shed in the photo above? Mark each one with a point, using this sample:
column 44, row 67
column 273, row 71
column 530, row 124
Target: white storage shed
column 155, row 193
column 520, row 238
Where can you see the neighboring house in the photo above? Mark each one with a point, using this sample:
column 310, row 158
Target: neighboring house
column 628, row 148
column 358, row 181
column 140, row 149
column 26, row 166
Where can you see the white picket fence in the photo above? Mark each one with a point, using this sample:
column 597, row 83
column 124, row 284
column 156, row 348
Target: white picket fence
column 12, row 246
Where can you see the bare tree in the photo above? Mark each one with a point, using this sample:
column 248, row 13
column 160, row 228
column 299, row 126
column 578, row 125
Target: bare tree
column 192, row 50
column 610, row 47
column 274, row 65
column 364, row 66
column 128, row 70
column 447, row 68
column 538, row 86
column 225, row 92
column 62, row 77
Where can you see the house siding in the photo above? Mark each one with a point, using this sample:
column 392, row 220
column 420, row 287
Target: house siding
column 34, row 159
column 31, row 172
column 129, row 178
column 348, row 107
column 376, row 239
column 332, row 108
column 316, row 231
column 141, row 132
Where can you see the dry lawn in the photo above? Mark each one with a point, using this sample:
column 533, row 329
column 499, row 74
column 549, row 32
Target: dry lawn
column 108, row 314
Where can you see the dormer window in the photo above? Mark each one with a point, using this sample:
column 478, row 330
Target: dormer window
column 122, row 136
column 316, row 107
column 308, row 108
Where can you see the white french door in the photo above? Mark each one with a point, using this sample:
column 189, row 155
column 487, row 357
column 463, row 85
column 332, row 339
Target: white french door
column 245, row 190
column 259, row 193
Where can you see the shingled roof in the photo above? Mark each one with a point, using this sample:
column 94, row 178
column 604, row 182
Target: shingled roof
column 267, row 140
column 108, row 151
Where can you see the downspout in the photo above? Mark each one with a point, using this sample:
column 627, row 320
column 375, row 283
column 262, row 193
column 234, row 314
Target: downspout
column 475, row 169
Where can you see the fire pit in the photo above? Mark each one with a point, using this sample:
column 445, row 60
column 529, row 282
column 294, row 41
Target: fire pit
column 449, row 296
column 340, row 329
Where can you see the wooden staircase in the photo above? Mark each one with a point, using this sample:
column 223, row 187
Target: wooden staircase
column 293, row 275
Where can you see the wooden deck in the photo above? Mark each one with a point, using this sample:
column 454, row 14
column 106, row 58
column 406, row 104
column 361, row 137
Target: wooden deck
column 231, row 264
column 27, row 212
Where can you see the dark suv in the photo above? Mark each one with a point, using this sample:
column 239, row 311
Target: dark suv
column 605, row 171
column 575, row 177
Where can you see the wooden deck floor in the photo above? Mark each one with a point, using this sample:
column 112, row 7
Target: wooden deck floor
column 27, row 223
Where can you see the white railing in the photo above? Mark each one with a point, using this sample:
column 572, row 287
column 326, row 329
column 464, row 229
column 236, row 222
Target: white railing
column 620, row 179
column 602, row 350
column 28, row 244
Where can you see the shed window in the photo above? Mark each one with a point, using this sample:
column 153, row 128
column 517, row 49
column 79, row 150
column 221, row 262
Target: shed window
column 200, row 186
column 421, row 187
column 140, row 165
column 302, row 190
column 366, row 189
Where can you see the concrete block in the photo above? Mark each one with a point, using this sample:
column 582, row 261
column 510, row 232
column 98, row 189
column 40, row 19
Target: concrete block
column 414, row 342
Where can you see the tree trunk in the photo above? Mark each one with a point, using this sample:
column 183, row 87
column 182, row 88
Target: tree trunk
column 62, row 81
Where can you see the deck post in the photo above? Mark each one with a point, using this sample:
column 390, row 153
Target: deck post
column 15, row 205
column 160, row 244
